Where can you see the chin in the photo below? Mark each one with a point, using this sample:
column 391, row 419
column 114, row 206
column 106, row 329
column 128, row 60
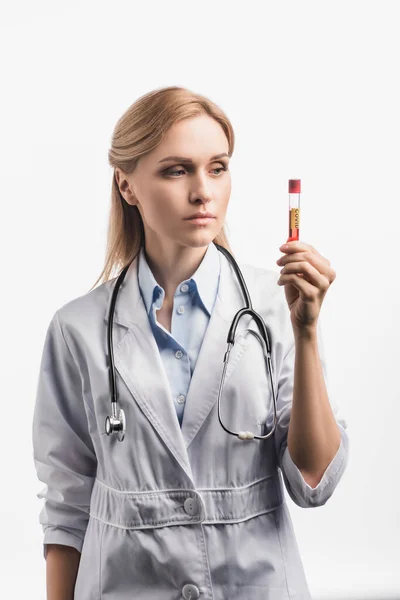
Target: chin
column 199, row 239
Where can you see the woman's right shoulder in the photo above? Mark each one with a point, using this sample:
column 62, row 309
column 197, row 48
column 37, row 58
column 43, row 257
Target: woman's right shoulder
column 86, row 310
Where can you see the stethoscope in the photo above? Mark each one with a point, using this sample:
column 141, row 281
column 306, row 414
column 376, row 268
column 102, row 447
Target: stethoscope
column 116, row 423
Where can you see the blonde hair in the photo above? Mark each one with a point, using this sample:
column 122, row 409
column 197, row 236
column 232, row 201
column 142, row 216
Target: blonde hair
column 139, row 131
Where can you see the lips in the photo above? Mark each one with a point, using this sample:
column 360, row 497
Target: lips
column 202, row 216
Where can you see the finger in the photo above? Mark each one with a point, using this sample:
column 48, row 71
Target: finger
column 295, row 256
column 297, row 246
column 308, row 291
column 308, row 272
column 318, row 261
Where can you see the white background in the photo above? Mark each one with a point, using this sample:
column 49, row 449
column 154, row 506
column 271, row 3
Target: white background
column 312, row 89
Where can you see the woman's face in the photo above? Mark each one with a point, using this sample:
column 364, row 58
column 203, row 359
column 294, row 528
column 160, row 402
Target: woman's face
column 167, row 191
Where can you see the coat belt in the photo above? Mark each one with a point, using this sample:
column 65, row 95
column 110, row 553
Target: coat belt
column 160, row 508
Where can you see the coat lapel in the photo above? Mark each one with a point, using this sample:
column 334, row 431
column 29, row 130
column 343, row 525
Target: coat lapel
column 138, row 361
column 204, row 385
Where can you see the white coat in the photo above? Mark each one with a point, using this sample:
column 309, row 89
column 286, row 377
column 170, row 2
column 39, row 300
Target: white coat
column 173, row 513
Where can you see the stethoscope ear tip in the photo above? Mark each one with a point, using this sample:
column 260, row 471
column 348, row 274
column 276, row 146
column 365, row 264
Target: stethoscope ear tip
column 245, row 435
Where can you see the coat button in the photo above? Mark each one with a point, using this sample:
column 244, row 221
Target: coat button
column 191, row 506
column 181, row 310
column 184, row 287
column 190, row 591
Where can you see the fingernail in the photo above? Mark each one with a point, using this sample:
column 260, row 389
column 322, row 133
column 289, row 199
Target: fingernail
column 284, row 247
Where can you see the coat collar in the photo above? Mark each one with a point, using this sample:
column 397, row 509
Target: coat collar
column 138, row 361
column 204, row 282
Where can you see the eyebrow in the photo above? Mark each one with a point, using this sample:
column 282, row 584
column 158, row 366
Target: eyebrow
column 189, row 160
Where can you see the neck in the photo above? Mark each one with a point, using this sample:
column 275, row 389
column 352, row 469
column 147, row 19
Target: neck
column 172, row 266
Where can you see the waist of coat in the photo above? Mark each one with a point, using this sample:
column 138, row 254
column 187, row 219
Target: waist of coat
column 161, row 508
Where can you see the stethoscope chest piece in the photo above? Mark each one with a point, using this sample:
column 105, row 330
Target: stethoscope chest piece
column 117, row 424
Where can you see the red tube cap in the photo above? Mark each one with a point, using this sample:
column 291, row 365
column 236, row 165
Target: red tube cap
column 294, row 186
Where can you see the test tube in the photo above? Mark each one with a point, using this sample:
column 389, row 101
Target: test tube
column 294, row 209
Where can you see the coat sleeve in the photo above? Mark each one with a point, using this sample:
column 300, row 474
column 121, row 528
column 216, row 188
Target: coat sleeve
column 298, row 489
column 63, row 452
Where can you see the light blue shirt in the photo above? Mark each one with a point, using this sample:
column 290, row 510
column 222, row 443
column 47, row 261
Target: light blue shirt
column 194, row 299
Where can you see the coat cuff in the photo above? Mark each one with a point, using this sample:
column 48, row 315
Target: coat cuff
column 300, row 491
column 57, row 535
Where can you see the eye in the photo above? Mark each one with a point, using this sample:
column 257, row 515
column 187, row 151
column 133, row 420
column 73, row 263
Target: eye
column 176, row 171
column 223, row 168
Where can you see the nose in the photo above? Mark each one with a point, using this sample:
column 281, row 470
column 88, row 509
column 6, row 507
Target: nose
column 201, row 197
column 200, row 190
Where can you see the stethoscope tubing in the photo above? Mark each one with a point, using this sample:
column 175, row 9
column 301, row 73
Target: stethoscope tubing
column 116, row 422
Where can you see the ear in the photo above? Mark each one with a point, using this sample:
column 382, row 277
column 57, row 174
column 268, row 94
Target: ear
column 124, row 186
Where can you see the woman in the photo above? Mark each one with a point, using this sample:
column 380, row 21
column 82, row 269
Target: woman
column 179, row 508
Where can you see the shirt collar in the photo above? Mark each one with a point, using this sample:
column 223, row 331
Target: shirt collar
column 203, row 282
